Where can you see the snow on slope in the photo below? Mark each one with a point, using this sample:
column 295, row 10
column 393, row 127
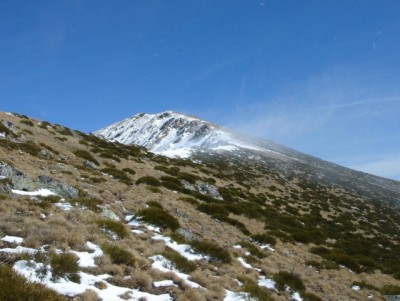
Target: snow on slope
column 172, row 134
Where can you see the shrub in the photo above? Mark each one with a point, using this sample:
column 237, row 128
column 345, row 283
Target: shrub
column 129, row 171
column 148, row 180
column 264, row 238
column 15, row 287
column 306, row 296
column 189, row 200
column 27, row 122
column 181, row 263
column 213, row 209
column 29, row 148
column 65, row 265
column 119, row 255
column 154, row 204
column 289, row 279
column 254, row 290
column 252, row 249
column 85, row 155
column 216, row 253
column 114, row 226
column 91, row 204
column 117, row 174
column 159, row 217
column 390, row 290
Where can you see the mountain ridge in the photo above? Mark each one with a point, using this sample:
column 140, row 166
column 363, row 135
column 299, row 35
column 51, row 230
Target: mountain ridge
column 179, row 135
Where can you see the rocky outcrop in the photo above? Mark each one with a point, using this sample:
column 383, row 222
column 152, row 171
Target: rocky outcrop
column 19, row 181
column 203, row 188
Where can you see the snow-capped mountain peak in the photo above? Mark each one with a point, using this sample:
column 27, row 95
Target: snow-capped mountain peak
column 172, row 134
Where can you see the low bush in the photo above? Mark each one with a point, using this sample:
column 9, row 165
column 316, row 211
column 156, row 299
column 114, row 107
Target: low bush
column 181, row 263
column 390, row 290
column 154, row 204
column 89, row 203
column 285, row 279
column 119, row 255
column 29, row 148
column 264, row 238
column 27, row 122
column 15, row 287
column 65, row 265
column 149, row 180
column 215, row 252
column 117, row 174
column 129, row 171
column 85, row 155
column 253, row 249
column 254, row 290
column 114, row 226
column 189, row 200
column 159, row 217
column 306, row 296
column 213, row 209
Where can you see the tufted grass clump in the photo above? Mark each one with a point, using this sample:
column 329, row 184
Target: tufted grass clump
column 285, row 279
column 216, row 253
column 113, row 226
column 180, row 263
column 65, row 265
column 15, row 287
column 159, row 217
column 29, row 148
column 148, row 180
column 85, row 155
column 119, row 255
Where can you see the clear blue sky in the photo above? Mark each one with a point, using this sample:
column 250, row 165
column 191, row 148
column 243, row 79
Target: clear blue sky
column 320, row 76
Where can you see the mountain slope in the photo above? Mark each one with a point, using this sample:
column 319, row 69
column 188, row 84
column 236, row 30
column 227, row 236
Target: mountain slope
column 104, row 221
column 177, row 135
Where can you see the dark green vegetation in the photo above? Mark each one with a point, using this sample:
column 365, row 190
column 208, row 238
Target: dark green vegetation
column 159, row 217
column 65, row 265
column 119, row 255
column 86, row 155
column 15, row 287
column 256, row 292
column 114, row 226
column 179, row 262
column 215, row 252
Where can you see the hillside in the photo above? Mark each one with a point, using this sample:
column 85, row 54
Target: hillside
column 93, row 220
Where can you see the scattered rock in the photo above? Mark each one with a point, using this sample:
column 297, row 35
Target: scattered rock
column 90, row 164
column 107, row 213
column 46, row 154
column 203, row 188
column 57, row 186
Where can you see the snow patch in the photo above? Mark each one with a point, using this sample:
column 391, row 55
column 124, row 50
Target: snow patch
column 183, row 249
column 13, row 239
column 266, row 282
column 40, row 192
column 164, row 265
column 240, row 296
column 86, row 259
column 163, row 283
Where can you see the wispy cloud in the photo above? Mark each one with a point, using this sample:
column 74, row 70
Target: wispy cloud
column 330, row 116
column 388, row 167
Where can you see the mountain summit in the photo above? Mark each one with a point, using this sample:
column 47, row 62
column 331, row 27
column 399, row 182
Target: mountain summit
column 173, row 134
column 178, row 135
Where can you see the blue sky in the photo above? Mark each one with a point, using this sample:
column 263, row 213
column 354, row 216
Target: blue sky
column 320, row 76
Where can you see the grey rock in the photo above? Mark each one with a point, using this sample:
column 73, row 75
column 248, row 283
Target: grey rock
column 56, row 186
column 107, row 213
column 44, row 153
column 208, row 189
column 20, row 181
column 203, row 188
column 187, row 234
column 90, row 164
